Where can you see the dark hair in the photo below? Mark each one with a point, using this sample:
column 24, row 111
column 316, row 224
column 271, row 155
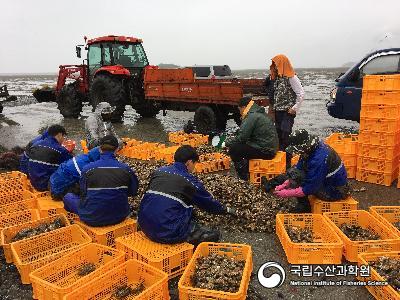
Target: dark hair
column 108, row 143
column 55, row 129
column 244, row 101
column 185, row 153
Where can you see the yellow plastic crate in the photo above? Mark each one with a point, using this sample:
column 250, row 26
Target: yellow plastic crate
column 343, row 143
column 212, row 162
column 378, row 165
column 106, row 235
column 380, row 111
column 236, row 251
column 12, row 196
column 379, row 138
column 18, row 217
column 171, row 259
column 35, row 252
column 326, row 249
column 30, row 203
column 131, row 273
column 49, row 207
column 276, row 165
column 381, row 178
column 58, row 278
column 319, row 206
column 14, row 181
column 383, row 292
column 388, row 242
column 379, row 125
column 388, row 215
column 381, row 83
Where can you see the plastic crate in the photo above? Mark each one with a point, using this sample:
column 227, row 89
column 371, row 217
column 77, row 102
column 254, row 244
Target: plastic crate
column 33, row 253
column 145, row 151
column 7, row 234
column 377, row 177
column 295, row 159
column 276, row 165
column 255, row 177
column 385, row 292
column 171, row 259
column 351, row 172
column 349, row 160
column 379, row 125
column 327, row 248
column 166, row 154
column 106, row 235
column 30, row 203
column 319, row 206
column 84, row 147
column 378, row 152
column 212, row 162
column 380, row 97
column 49, row 207
column 236, row 251
column 388, row 215
column 9, row 197
column 18, row 217
column 379, row 138
column 380, row 111
column 130, row 273
column 378, row 165
column 381, row 82
column 388, row 242
column 60, row 277
column 192, row 139
column 12, row 181
column 343, row 143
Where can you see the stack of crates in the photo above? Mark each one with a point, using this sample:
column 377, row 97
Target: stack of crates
column 268, row 168
column 346, row 145
column 379, row 138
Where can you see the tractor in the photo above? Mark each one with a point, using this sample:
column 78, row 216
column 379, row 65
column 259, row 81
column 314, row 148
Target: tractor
column 112, row 72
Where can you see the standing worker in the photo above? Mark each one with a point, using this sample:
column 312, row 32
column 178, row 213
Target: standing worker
column 105, row 186
column 66, row 178
column 166, row 210
column 257, row 137
column 45, row 156
column 325, row 175
column 288, row 94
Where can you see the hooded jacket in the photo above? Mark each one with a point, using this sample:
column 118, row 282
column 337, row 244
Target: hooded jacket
column 69, row 172
column 324, row 172
column 257, row 130
column 45, row 156
column 166, row 209
column 23, row 166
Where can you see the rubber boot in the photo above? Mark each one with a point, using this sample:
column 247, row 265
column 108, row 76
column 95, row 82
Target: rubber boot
column 242, row 169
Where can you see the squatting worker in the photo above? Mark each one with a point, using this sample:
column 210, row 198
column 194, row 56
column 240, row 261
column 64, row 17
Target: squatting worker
column 256, row 139
column 288, row 94
column 325, row 174
column 105, row 186
column 45, row 156
column 23, row 164
column 166, row 210
column 66, row 178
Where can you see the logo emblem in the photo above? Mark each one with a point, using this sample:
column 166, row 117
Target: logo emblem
column 276, row 279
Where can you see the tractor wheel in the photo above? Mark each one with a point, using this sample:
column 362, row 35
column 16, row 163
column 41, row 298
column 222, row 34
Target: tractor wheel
column 147, row 110
column 205, row 120
column 69, row 102
column 109, row 89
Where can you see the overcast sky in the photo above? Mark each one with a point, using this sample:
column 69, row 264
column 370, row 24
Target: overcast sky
column 38, row 36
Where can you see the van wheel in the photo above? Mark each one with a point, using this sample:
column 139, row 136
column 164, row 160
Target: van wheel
column 205, row 120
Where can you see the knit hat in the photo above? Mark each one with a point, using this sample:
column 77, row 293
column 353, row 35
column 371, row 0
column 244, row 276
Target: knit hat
column 244, row 101
column 301, row 142
column 109, row 140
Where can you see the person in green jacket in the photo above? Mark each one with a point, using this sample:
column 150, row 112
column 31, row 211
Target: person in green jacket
column 257, row 137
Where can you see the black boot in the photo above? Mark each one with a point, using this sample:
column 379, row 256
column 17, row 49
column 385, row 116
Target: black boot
column 242, row 169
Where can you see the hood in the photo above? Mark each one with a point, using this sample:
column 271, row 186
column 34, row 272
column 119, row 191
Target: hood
column 94, row 154
column 283, row 66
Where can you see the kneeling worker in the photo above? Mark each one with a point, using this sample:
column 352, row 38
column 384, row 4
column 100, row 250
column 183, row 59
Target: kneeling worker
column 325, row 174
column 105, row 186
column 257, row 137
column 165, row 213
column 66, row 178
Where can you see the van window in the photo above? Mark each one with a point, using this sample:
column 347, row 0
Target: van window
column 222, row 71
column 382, row 65
column 202, row 71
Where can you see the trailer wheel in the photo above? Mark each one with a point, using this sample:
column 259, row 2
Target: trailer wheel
column 147, row 110
column 111, row 90
column 237, row 118
column 69, row 102
column 222, row 119
column 205, row 120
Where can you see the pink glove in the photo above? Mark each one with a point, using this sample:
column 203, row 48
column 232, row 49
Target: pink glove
column 298, row 192
column 282, row 186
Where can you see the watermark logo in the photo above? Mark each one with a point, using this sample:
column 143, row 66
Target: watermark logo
column 276, row 279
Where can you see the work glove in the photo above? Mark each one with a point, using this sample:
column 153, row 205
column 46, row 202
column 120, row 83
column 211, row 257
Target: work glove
column 285, row 193
column 282, row 186
column 231, row 211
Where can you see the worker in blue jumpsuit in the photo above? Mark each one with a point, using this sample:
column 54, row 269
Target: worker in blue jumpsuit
column 45, row 156
column 325, row 175
column 23, row 165
column 105, row 186
column 166, row 209
column 66, row 178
